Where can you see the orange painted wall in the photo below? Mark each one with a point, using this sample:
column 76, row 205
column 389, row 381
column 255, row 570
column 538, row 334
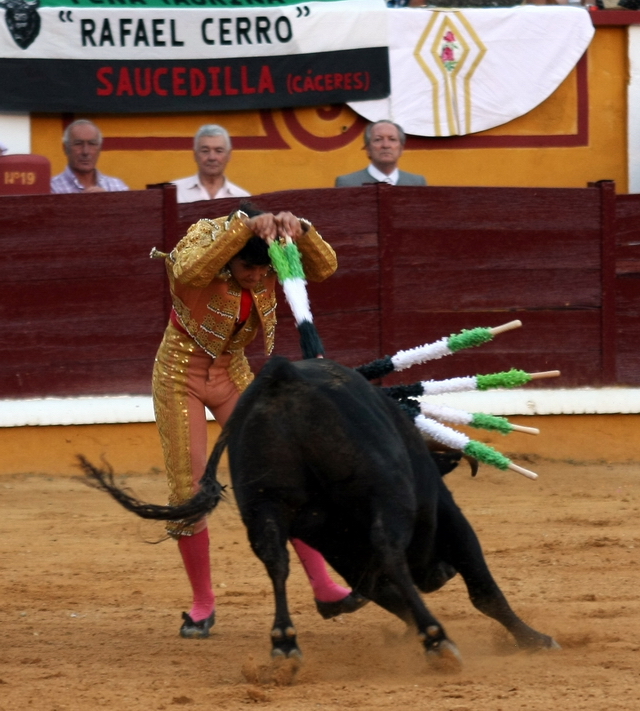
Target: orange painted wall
column 135, row 448
column 266, row 170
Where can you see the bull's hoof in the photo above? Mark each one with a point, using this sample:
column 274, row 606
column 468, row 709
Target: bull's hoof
column 284, row 643
column 291, row 653
column 352, row 602
column 445, row 658
column 538, row 642
column 549, row 645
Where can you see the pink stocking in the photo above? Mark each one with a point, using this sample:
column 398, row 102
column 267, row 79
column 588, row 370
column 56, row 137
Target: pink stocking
column 195, row 556
column 324, row 589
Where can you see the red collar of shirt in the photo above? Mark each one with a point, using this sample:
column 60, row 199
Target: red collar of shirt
column 246, row 302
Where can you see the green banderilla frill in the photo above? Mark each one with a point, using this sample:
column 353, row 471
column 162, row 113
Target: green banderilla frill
column 507, row 379
column 468, row 338
column 294, row 258
column 482, row 421
column 486, row 454
column 286, row 260
column 279, row 261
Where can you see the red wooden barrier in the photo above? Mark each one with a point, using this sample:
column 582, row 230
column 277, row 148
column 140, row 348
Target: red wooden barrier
column 627, row 288
column 482, row 256
column 82, row 305
column 83, row 308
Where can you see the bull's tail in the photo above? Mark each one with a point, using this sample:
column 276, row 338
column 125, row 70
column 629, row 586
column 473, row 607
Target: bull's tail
column 202, row 503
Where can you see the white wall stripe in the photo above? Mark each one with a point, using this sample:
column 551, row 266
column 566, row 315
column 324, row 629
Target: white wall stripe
column 76, row 411
column 584, row 401
column 126, row 409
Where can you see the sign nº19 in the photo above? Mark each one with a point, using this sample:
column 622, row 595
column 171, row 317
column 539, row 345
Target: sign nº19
column 17, row 177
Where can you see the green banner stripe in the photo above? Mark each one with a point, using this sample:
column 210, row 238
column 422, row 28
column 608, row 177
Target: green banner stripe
column 179, row 4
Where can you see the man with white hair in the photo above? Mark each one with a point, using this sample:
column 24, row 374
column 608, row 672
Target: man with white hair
column 212, row 153
column 82, row 143
column 384, row 142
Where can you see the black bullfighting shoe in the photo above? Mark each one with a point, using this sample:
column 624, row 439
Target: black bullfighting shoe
column 352, row 602
column 197, row 630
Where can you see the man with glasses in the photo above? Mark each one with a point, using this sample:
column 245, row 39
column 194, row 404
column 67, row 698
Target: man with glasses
column 82, row 142
column 212, row 153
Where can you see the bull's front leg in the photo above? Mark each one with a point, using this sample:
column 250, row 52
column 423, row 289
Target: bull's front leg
column 395, row 591
column 268, row 539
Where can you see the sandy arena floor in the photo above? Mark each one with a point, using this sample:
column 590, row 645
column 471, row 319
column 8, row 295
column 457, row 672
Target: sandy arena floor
column 89, row 611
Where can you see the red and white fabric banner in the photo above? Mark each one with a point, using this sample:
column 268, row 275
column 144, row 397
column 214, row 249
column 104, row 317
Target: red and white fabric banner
column 455, row 72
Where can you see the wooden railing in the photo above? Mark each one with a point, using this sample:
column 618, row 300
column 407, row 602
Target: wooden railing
column 83, row 307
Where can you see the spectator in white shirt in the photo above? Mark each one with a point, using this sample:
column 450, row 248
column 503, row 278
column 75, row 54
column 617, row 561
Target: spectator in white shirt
column 82, row 143
column 212, row 153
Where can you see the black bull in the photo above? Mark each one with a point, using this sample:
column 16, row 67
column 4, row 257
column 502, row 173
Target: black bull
column 318, row 453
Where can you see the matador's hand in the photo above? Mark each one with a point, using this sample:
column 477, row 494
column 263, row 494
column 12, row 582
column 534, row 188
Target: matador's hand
column 288, row 225
column 269, row 226
column 264, row 226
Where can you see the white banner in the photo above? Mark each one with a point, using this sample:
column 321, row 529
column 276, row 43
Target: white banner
column 455, row 72
column 157, row 59
column 129, row 33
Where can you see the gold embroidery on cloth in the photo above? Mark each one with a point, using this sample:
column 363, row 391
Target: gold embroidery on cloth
column 318, row 257
column 240, row 371
column 200, row 254
column 225, row 305
column 266, row 305
column 218, row 322
column 184, row 315
column 212, row 325
column 170, row 374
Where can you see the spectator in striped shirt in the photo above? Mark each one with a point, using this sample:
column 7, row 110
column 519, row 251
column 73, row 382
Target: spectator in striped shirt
column 82, row 141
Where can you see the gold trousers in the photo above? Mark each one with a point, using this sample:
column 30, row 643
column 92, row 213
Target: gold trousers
column 186, row 380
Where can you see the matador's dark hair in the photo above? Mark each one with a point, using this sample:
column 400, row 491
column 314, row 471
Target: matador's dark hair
column 256, row 251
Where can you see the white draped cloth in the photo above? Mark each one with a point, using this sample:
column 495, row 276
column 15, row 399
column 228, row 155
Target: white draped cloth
column 455, row 72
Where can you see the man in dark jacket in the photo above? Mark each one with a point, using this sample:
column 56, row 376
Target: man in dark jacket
column 384, row 141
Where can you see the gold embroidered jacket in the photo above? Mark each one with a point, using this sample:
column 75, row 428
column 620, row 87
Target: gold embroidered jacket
column 207, row 301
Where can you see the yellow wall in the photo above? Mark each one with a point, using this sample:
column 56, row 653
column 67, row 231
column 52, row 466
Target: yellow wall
column 129, row 448
column 135, row 448
column 300, row 167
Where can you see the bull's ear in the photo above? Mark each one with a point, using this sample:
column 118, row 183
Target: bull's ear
column 447, row 461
